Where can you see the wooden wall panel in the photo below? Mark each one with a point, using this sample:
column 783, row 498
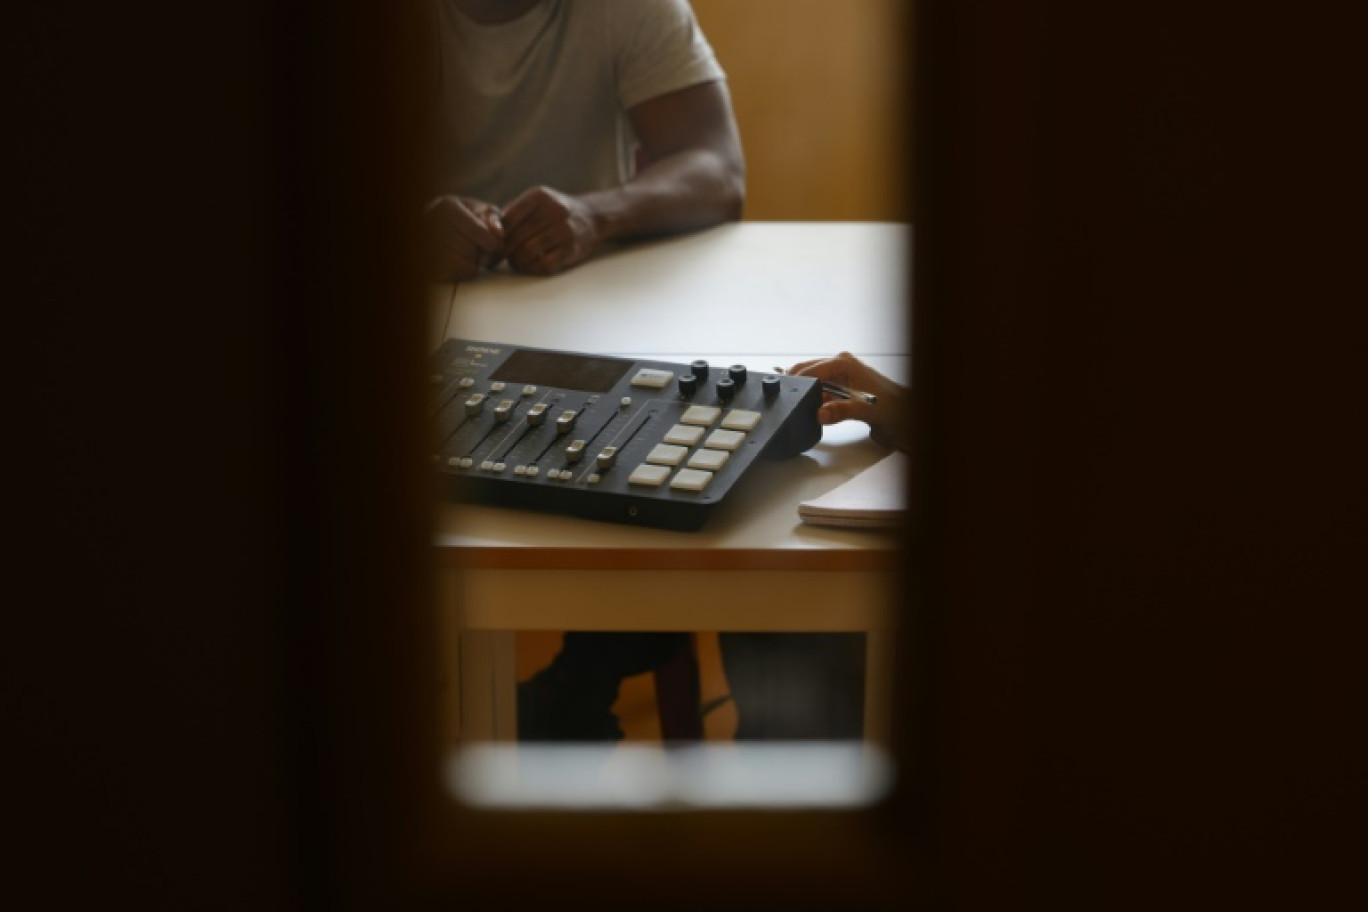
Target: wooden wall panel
column 820, row 93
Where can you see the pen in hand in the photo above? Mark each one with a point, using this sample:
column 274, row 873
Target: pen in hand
column 841, row 392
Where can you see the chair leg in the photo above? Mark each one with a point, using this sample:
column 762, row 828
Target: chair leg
column 678, row 692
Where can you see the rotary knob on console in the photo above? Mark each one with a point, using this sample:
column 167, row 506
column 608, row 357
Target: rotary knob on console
column 738, row 374
column 688, row 385
column 726, row 389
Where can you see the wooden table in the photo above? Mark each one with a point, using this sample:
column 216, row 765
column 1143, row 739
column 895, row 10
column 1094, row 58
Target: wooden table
column 755, row 293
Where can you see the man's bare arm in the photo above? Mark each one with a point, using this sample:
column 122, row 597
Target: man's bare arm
column 693, row 177
column 694, row 174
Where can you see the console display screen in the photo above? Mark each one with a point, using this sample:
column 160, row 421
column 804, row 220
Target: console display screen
column 559, row 369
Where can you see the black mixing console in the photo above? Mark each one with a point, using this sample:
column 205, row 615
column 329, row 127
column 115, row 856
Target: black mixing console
column 651, row 443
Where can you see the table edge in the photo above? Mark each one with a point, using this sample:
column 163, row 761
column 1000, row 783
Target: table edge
column 725, row 559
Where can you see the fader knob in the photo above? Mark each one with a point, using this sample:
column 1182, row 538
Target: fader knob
column 726, row 389
column 738, row 373
column 688, row 385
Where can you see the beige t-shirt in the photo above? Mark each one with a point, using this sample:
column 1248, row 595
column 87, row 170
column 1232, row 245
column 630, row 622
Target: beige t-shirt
column 544, row 99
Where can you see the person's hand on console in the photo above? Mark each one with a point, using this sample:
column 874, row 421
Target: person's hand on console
column 886, row 415
column 464, row 236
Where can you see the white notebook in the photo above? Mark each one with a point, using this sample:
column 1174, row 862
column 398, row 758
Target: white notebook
column 873, row 499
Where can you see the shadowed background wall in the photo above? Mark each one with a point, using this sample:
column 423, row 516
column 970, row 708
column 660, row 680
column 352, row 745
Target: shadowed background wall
column 823, row 102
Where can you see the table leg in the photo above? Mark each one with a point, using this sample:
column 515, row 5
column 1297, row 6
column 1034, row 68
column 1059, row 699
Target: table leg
column 487, row 675
column 878, row 686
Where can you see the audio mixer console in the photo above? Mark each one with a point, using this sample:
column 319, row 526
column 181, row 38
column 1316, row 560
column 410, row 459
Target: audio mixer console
column 650, row 443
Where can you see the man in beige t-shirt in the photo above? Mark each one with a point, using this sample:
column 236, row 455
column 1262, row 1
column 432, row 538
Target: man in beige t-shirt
column 567, row 124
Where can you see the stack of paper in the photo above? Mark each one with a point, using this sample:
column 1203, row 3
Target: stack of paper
column 873, row 499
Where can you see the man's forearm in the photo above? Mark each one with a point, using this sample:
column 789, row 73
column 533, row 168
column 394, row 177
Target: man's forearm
column 683, row 192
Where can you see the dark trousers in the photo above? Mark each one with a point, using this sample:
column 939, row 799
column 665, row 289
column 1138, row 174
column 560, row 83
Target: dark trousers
column 572, row 698
column 786, row 686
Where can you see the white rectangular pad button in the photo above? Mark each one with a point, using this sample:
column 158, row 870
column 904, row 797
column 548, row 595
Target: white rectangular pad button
column 665, row 454
column 650, row 377
column 741, row 420
column 683, row 435
column 709, row 460
column 724, row 440
column 691, row 480
column 649, row 475
column 700, row 414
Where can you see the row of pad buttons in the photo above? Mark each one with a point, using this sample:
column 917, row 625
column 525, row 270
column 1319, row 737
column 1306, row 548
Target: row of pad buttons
column 706, row 461
column 655, row 475
column 735, row 420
